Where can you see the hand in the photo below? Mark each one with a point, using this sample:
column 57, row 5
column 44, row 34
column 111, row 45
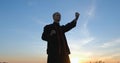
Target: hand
column 52, row 32
column 77, row 14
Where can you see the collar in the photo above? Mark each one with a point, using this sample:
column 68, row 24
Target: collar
column 57, row 24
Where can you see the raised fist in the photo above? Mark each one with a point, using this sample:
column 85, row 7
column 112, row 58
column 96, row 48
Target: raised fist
column 77, row 14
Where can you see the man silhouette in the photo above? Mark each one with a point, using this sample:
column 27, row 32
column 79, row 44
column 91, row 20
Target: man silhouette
column 57, row 47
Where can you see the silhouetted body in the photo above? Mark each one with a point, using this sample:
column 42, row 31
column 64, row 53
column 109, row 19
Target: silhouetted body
column 57, row 47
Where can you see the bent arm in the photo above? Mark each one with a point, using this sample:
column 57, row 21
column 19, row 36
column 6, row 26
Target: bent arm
column 69, row 26
column 46, row 34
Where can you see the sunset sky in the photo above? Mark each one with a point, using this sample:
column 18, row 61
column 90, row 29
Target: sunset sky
column 96, row 36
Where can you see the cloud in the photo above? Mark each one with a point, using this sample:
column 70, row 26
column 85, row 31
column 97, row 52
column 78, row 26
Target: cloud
column 32, row 3
column 87, row 37
column 91, row 10
column 115, row 56
column 76, row 47
column 88, row 15
column 78, row 43
column 111, row 43
column 39, row 21
column 109, row 50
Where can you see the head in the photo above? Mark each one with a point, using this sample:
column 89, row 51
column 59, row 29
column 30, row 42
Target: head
column 56, row 17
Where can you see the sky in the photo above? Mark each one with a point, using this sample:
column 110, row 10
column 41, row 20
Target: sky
column 95, row 38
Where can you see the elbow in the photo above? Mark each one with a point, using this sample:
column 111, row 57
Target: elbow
column 43, row 38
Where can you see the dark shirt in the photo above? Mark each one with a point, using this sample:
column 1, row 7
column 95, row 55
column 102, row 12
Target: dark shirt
column 57, row 43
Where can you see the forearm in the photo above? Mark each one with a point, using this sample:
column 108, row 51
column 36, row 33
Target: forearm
column 69, row 26
column 46, row 34
column 45, row 37
column 75, row 19
column 72, row 24
column 76, row 16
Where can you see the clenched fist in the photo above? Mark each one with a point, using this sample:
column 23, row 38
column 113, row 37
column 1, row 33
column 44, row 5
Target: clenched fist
column 77, row 14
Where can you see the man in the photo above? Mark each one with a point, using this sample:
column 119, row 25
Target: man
column 57, row 47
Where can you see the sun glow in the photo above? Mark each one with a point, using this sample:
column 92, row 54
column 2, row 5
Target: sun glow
column 75, row 60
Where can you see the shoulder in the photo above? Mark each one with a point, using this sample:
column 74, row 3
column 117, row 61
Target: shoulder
column 62, row 26
column 48, row 26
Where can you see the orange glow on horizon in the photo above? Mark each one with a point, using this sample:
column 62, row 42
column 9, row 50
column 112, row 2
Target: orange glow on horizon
column 75, row 60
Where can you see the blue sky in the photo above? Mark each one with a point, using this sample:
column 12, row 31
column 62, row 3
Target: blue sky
column 96, row 36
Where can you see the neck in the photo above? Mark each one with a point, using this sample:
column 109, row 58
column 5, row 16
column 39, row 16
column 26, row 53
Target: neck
column 56, row 22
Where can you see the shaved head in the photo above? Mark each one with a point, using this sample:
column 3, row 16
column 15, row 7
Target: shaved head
column 56, row 17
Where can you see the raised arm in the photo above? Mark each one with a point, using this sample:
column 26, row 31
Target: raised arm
column 72, row 24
